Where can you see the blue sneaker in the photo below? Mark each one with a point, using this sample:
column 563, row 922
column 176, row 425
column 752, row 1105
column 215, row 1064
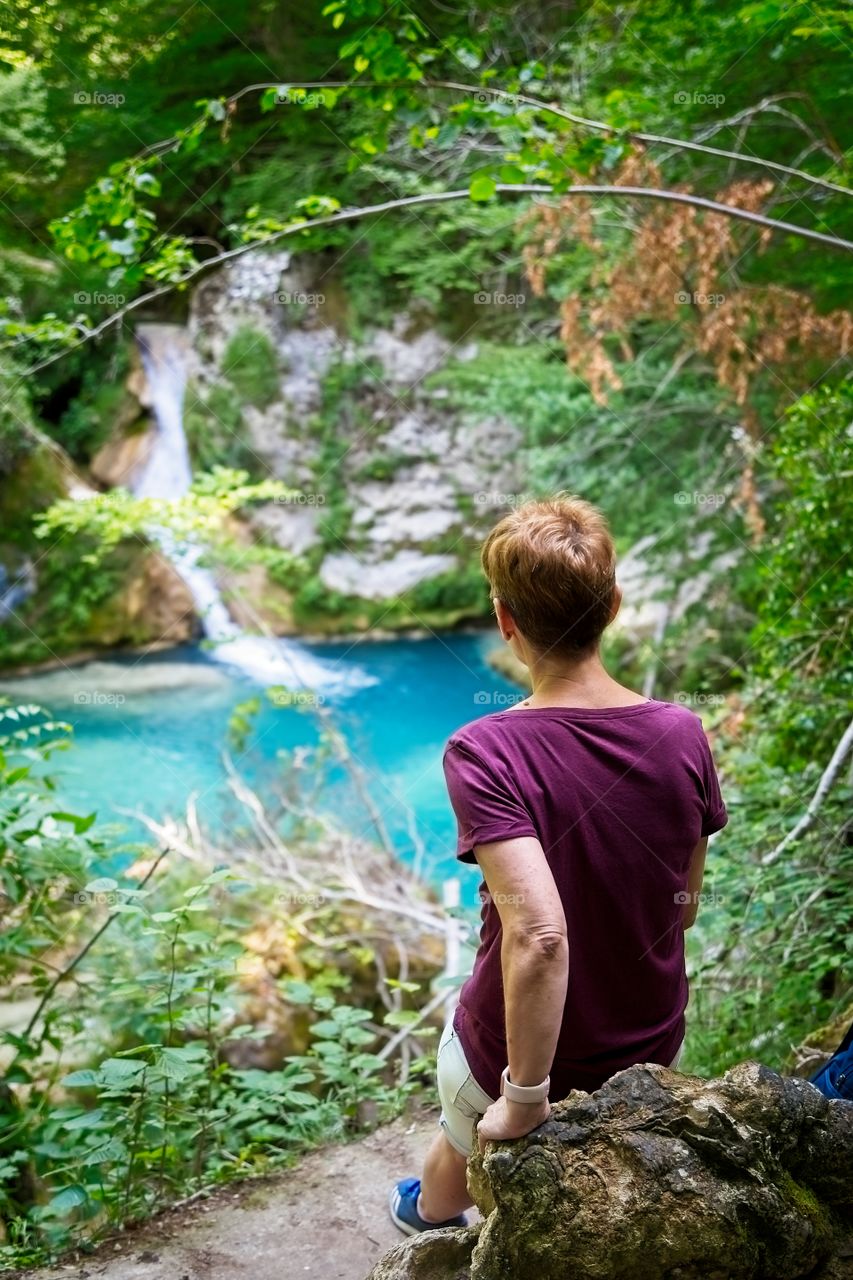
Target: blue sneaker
column 403, row 1203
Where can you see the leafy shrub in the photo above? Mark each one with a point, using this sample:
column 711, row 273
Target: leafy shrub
column 152, row 1107
column 250, row 364
column 215, row 430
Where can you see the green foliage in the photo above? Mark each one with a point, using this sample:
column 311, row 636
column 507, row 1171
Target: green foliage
column 16, row 419
column 251, row 365
column 461, row 592
column 110, row 518
column 120, row 1092
column 215, row 430
column 102, row 405
column 804, row 588
column 634, row 460
column 382, row 467
column 775, row 951
column 96, row 547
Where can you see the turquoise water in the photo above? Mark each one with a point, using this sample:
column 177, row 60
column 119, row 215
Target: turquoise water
column 148, row 733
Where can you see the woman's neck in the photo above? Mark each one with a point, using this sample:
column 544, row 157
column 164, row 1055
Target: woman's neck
column 577, row 682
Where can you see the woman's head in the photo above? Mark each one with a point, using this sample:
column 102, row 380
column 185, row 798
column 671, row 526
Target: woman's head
column 552, row 565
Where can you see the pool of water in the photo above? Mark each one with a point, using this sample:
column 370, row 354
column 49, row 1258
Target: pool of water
column 150, row 732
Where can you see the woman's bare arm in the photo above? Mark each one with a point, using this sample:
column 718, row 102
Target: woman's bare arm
column 535, row 964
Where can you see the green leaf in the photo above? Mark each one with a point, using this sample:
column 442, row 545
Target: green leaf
column 84, row 1079
column 103, row 885
column 482, row 186
column 69, row 1198
column 401, row 1017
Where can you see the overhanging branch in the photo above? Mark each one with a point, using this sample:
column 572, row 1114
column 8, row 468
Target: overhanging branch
column 439, row 197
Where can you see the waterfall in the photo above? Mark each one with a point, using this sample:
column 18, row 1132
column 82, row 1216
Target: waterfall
column 167, row 473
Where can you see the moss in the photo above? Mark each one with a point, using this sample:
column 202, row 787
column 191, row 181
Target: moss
column 37, row 482
column 807, row 1204
column 438, row 603
column 215, row 430
column 384, row 466
column 251, row 365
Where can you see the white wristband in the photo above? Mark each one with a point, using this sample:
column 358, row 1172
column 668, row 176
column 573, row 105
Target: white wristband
column 524, row 1092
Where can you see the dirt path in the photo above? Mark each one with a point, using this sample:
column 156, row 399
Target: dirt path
column 325, row 1218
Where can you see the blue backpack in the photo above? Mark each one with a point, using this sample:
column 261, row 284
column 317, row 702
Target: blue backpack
column 836, row 1078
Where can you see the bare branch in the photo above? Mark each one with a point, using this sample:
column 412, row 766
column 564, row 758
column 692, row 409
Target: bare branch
column 440, row 197
column 600, row 126
column 829, row 776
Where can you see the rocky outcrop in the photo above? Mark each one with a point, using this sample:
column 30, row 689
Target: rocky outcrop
column 155, row 607
column 151, row 605
column 401, row 485
column 659, row 1176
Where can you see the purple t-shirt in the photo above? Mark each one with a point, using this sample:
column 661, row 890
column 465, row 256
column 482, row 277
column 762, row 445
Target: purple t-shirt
column 619, row 798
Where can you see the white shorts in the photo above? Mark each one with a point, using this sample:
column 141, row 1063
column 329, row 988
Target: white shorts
column 463, row 1102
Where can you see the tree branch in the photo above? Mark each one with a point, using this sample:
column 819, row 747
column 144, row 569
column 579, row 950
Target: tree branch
column 439, row 197
column 600, row 126
column 830, row 773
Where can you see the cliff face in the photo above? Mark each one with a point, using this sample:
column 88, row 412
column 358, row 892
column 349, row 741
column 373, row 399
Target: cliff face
column 659, row 1176
column 396, row 486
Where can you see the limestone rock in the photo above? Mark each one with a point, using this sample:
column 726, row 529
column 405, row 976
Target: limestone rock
column 659, row 1176
column 382, row 579
column 418, row 504
column 121, row 457
column 155, row 606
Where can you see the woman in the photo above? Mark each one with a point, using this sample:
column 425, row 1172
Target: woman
column 587, row 808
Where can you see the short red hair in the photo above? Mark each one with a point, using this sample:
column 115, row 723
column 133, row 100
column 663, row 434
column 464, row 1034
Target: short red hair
column 553, row 564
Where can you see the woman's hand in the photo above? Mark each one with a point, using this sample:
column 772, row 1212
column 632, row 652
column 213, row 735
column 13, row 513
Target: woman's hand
column 505, row 1120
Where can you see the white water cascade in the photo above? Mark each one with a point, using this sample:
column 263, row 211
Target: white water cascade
column 167, row 473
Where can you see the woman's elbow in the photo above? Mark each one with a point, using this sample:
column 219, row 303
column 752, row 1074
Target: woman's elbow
column 544, row 944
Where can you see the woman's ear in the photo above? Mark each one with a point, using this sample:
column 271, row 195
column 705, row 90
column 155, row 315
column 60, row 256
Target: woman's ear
column 506, row 622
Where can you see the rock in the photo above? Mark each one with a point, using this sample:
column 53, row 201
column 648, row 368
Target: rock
column 256, row 602
column 395, row 473
column 117, row 462
column 354, row 576
column 436, row 1255
column 418, row 504
column 155, row 606
column 289, row 525
column 659, row 1176
column 407, row 358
